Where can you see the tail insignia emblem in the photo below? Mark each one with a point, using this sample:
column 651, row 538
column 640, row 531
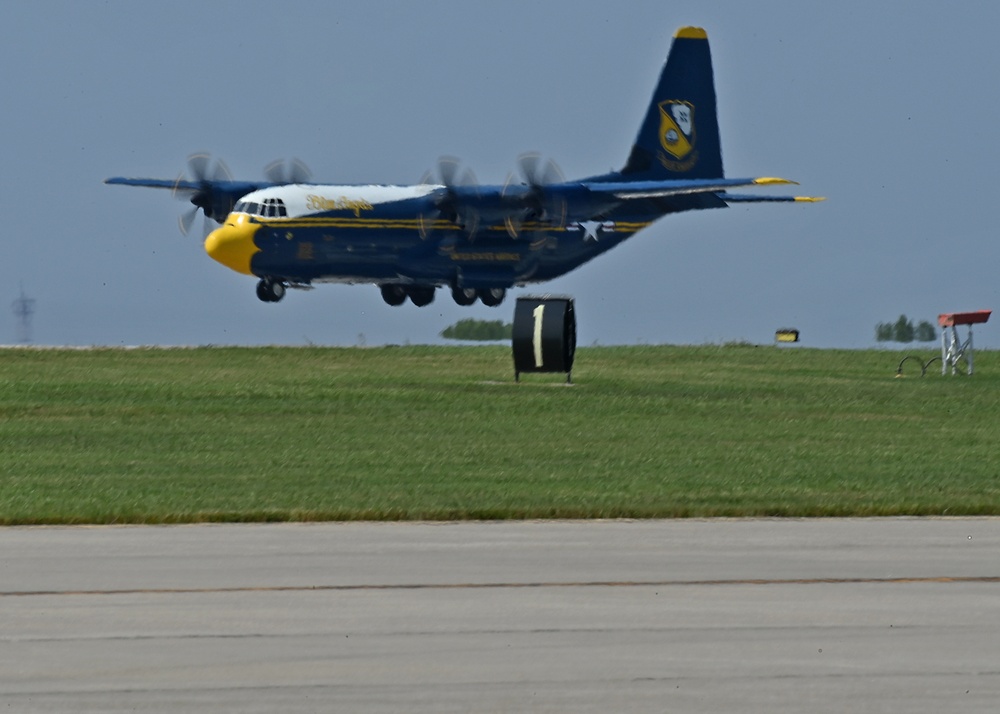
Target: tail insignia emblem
column 677, row 135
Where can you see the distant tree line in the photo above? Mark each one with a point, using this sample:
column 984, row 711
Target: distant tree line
column 478, row 330
column 902, row 330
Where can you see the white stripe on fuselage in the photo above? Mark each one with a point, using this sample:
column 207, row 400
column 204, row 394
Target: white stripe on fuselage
column 309, row 199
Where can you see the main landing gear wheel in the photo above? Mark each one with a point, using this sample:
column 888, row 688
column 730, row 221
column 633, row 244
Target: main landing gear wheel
column 420, row 295
column 269, row 290
column 393, row 294
column 493, row 296
column 464, row 296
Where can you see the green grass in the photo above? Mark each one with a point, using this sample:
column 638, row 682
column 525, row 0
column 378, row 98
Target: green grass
column 241, row 434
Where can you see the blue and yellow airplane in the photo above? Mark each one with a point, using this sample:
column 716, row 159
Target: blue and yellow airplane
column 477, row 240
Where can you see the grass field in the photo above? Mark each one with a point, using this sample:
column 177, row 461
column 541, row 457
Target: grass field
column 241, row 434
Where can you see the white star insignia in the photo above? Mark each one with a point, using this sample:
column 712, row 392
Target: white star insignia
column 592, row 229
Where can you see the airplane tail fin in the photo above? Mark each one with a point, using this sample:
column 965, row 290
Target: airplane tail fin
column 679, row 138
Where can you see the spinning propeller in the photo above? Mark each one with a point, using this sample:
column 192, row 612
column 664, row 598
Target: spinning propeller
column 201, row 195
column 458, row 202
column 200, row 185
column 538, row 203
column 284, row 172
column 464, row 204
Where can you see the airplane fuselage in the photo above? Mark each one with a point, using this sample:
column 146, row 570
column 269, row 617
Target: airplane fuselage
column 395, row 236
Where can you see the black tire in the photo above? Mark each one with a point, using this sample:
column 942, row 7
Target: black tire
column 270, row 290
column 464, row 296
column 492, row 297
column 393, row 294
column 420, row 295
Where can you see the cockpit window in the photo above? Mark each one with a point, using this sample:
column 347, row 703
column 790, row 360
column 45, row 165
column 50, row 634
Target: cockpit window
column 270, row 208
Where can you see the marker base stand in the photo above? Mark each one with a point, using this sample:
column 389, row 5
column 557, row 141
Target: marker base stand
column 954, row 352
column 543, row 335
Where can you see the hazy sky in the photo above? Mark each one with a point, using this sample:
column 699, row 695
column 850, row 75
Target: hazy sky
column 889, row 109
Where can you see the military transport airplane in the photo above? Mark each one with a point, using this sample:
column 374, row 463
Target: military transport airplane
column 477, row 240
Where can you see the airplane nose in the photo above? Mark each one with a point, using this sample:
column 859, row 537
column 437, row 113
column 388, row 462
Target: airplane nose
column 232, row 244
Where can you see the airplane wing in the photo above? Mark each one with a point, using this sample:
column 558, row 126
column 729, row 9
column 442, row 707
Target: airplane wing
column 230, row 188
column 738, row 198
column 472, row 205
column 215, row 197
column 628, row 190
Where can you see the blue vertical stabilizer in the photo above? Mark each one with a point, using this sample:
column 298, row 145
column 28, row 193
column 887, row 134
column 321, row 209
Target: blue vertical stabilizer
column 679, row 138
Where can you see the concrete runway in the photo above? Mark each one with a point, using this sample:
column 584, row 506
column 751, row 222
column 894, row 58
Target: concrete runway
column 868, row 615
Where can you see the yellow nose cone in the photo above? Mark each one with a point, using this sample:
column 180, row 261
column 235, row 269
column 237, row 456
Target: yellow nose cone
column 232, row 244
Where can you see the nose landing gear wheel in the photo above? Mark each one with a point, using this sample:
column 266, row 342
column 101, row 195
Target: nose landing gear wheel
column 270, row 290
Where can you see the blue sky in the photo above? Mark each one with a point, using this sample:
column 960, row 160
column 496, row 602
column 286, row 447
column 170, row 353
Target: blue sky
column 888, row 109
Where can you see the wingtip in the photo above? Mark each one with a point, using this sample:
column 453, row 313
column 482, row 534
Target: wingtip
column 773, row 181
column 691, row 33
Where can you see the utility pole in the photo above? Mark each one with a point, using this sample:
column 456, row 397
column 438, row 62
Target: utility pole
column 23, row 308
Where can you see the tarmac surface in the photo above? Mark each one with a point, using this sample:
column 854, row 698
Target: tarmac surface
column 829, row 615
